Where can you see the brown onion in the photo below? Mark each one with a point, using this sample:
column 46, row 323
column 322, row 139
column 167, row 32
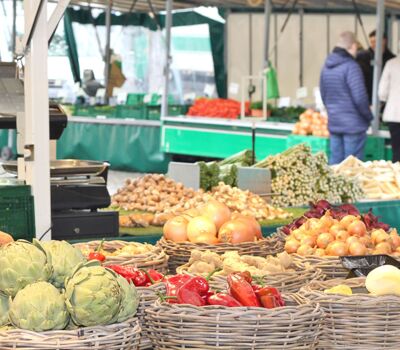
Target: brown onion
column 218, row 212
column 175, row 229
column 236, row 231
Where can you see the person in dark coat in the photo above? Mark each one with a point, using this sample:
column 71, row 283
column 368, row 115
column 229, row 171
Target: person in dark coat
column 366, row 58
column 345, row 97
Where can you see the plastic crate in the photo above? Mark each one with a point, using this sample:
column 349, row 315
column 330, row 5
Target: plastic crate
column 317, row 144
column 134, row 112
column 374, row 148
column 388, row 152
column 93, row 111
column 153, row 112
column 17, row 215
column 135, row 99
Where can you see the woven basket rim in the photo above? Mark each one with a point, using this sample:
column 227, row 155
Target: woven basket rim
column 72, row 332
column 190, row 245
column 155, row 258
column 234, row 310
column 299, row 266
column 316, row 289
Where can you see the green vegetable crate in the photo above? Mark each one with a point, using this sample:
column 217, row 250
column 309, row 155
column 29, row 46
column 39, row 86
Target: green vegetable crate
column 17, row 216
column 374, row 148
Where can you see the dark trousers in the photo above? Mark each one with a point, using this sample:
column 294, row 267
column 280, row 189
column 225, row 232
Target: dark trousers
column 394, row 129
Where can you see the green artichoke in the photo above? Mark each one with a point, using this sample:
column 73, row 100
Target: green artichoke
column 64, row 258
column 23, row 263
column 93, row 295
column 4, row 307
column 39, row 307
column 130, row 300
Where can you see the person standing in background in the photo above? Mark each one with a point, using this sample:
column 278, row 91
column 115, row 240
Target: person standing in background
column 366, row 61
column 345, row 97
column 389, row 92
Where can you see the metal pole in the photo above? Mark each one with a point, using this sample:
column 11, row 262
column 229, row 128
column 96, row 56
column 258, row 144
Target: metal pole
column 35, row 126
column 276, row 41
column 267, row 21
column 301, row 44
column 14, row 27
column 168, row 27
column 107, row 50
column 328, row 34
column 380, row 21
column 390, row 31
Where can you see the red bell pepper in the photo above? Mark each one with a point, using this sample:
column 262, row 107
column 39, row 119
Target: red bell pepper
column 173, row 284
column 270, row 297
column 242, row 290
column 193, row 291
column 96, row 255
column 131, row 274
column 223, row 299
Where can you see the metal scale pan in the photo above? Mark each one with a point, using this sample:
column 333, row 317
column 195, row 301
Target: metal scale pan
column 66, row 167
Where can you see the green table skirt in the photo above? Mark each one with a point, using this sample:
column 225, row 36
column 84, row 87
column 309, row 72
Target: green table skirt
column 126, row 147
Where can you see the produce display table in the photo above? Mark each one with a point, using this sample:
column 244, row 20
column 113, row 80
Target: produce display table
column 186, row 135
column 128, row 144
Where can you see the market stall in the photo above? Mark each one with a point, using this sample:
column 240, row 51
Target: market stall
column 262, row 251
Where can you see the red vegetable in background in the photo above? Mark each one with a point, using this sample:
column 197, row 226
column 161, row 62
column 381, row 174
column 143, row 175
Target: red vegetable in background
column 338, row 212
column 96, row 255
column 217, row 108
column 173, row 284
column 131, row 274
column 223, row 299
column 193, row 291
column 270, row 297
column 242, row 290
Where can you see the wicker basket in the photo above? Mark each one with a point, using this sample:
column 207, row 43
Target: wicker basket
column 179, row 253
column 286, row 282
column 330, row 266
column 296, row 326
column 120, row 336
column 148, row 295
column 154, row 259
column 358, row 322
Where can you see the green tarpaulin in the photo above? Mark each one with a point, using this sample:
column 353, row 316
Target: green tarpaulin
column 126, row 147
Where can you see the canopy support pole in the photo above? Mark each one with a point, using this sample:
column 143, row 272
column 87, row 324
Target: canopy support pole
column 380, row 21
column 107, row 50
column 36, row 133
column 301, row 44
column 267, row 21
column 14, row 27
column 167, row 68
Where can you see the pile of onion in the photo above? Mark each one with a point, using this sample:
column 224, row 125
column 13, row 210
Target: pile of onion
column 347, row 236
column 212, row 224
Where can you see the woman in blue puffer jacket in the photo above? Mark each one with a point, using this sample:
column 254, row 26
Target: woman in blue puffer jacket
column 345, row 97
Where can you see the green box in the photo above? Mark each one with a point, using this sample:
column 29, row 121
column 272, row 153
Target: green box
column 317, row 144
column 374, row 148
column 135, row 99
column 388, row 152
column 153, row 112
column 134, row 112
column 17, row 215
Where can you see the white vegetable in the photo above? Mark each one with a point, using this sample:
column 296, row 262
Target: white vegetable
column 384, row 280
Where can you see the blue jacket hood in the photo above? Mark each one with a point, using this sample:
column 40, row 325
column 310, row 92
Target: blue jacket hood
column 338, row 57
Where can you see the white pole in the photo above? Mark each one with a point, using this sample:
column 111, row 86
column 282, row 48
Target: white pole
column 380, row 20
column 36, row 129
column 267, row 22
column 168, row 27
column 107, row 57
